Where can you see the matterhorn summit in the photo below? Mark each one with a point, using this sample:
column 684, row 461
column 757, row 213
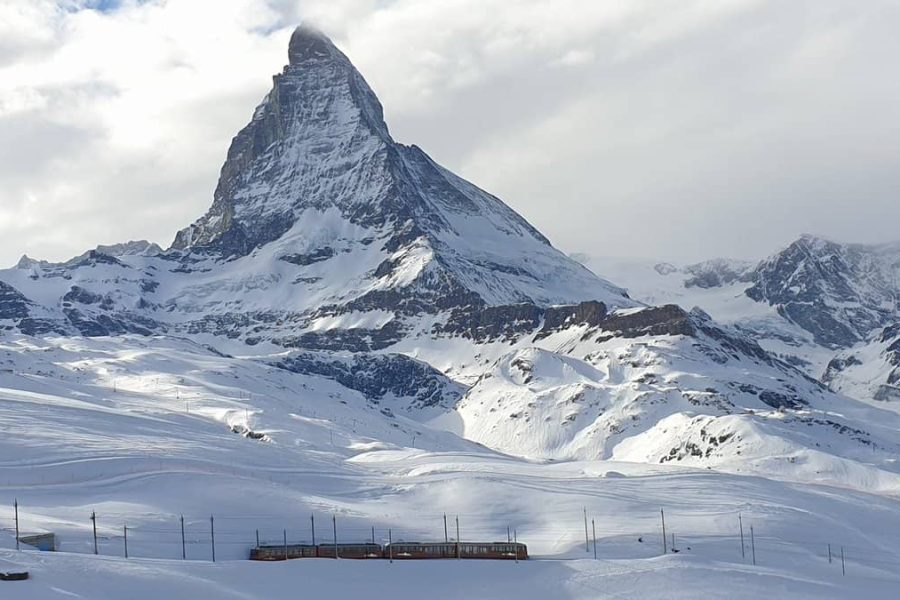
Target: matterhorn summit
column 318, row 150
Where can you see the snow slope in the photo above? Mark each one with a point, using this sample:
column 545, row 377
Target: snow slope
column 93, row 430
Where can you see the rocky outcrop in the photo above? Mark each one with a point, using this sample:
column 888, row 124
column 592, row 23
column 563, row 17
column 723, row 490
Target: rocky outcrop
column 669, row 319
column 309, row 258
column 492, row 323
column 13, row 304
column 717, row 273
column 511, row 322
column 378, row 377
column 840, row 293
column 589, row 313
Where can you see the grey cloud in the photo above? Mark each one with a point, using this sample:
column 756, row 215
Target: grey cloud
column 681, row 130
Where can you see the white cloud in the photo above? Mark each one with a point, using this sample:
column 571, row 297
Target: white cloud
column 682, row 129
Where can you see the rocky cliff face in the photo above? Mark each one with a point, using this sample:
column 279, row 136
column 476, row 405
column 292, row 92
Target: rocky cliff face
column 841, row 293
column 13, row 304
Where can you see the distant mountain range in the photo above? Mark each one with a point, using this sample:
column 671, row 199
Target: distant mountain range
column 832, row 309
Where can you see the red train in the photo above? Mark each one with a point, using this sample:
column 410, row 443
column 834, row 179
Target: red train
column 396, row 550
column 426, row 550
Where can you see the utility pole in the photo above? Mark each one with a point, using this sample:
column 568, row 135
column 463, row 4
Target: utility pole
column 594, row 530
column 741, row 523
column 516, row 544
column 312, row 522
column 212, row 536
column 183, row 548
column 508, row 539
column 125, row 532
column 17, row 522
column 662, row 515
column 390, row 547
column 829, row 554
column 446, row 538
column 587, row 546
column 257, row 538
column 94, row 522
column 458, row 556
column 284, row 532
column 753, row 545
column 334, row 523
column 373, row 534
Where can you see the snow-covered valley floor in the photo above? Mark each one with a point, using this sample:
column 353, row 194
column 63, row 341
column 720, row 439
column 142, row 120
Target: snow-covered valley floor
column 103, row 426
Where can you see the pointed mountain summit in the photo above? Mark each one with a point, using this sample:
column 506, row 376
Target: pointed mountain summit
column 318, row 148
column 324, row 233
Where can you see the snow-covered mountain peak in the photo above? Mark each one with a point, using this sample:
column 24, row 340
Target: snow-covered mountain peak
column 310, row 43
column 318, row 139
column 840, row 293
column 317, row 149
column 323, row 233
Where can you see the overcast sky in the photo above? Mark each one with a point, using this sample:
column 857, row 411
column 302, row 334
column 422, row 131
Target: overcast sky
column 673, row 129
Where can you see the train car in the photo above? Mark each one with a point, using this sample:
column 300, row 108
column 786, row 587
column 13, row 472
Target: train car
column 420, row 550
column 282, row 552
column 360, row 550
column 428, row 550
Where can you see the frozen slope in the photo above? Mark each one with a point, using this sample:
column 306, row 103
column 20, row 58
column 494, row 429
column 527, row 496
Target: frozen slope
column 98, row 425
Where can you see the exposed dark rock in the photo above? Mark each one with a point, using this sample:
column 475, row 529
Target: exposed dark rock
column 888, row 393
column 101, row 324
column 837, row 292
column 730, row 340
column 665, row 268
column 385, row 268
column 717, row 273
column 439, row 293
column 589, row 313
column 348, row 340
column 234, row 325
column 889, row 333
column 13, row 304
column 31, row 326
column 93, row 257
column 82, row 296
column 380, row 375
column 317, row 255
column 780, row 400
column 837, row 365
column 492, row 322
column 894, row 377
column 510, row 322
column 669, row 319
